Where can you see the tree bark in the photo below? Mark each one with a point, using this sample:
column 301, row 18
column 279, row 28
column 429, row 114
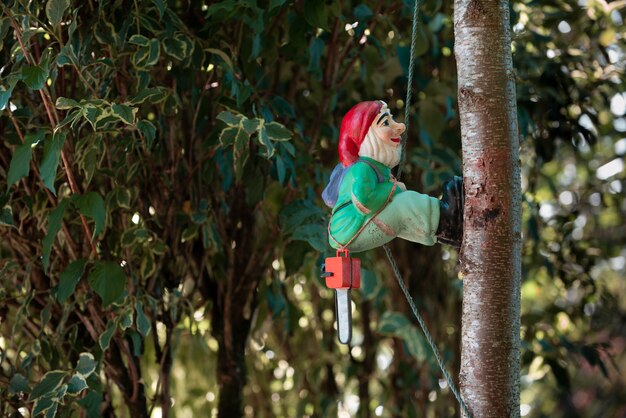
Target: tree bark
column 491, row 253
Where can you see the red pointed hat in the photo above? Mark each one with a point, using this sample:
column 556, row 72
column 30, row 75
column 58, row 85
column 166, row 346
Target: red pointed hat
column 354, row 127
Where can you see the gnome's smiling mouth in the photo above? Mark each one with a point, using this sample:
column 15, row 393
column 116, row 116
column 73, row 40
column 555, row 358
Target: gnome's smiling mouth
column 396, row 140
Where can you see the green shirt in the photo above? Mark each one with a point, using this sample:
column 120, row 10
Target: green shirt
column 361, row 196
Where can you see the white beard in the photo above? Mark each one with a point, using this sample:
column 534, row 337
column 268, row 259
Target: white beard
column 376, row 149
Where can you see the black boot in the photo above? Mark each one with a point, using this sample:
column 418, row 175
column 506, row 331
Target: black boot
column 450, row 229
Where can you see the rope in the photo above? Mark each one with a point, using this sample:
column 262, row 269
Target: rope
column 409, row 90
column 392, row 261
column 429, row 338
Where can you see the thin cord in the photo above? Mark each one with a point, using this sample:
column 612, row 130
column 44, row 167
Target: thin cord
column 392, row 261
column 429, row 338
column 409, row 90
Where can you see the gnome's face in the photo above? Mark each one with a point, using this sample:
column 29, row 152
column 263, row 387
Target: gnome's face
column 382, row 142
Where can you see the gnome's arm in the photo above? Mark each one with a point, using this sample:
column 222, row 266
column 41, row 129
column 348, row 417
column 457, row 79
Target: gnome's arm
column 368, row 196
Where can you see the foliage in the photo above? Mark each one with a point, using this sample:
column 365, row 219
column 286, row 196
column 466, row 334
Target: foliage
column 161, row 226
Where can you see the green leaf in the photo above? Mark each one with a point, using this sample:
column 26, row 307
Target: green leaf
column 76, row 385
column 105, row 338
column 70, row 118
column 391, row 322
column 67, row 56
column 316, row 49
column 91, row 205
column 5, row 92
column 69, row 278
column 189, row 233
column 139, row 40
column 315, row 14
column 48, row 384
column 64, row 103
column 92, row 113
column 160, row 5
column 18, row 383
column 147, row 129
column 122, row 197
column 152, row 95
column 86, row 364
column 148, row 266
column 55, row 9
column 91, row 403
column 143, row 323
column 228, row 135
column 251, row 125
column 363, row 13
column 43, row 405
column 137, row 341
column 20, row 162
column 50, row 161
column 6, row 216
column 278, row 132
column 281, row 169
column 314, row 234
column 230, row 118
column 370, row 286
column 298, row 213
column 55, row 220
column 126, row 320
column 241, row 152
column 414, row 342
column 177, row 48
column 154, row 51
column 108, row 280
column 34, row 76
column 276, row 3
column 264, row 140
column 222, row 55
column 125, row 113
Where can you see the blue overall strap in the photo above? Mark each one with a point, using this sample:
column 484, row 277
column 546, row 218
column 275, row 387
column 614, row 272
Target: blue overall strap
column 379, row 175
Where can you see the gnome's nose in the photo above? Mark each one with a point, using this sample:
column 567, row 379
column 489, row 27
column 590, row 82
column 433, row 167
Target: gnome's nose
column 400, row 128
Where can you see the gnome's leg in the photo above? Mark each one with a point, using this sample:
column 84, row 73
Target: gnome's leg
column 415, row 215
column 410, row 215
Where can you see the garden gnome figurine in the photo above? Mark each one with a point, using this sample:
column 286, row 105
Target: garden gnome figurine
column 370, row 207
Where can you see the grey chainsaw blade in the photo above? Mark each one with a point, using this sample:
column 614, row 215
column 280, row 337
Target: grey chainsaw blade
column 343, row 309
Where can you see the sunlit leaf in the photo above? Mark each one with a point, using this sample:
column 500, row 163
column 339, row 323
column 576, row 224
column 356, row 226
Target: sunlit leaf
column 143, row 323
column 43, row 405
column 105, row 338
column 76, row 385
column 86, row 364
column 151, row 95
column 230, row 118
column 65, row 103
column 126, row 320
column 125, row 113
column 55, row 9
column 50, row 382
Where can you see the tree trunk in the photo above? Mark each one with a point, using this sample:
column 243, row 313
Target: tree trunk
column 491, row 253
column 231, row 321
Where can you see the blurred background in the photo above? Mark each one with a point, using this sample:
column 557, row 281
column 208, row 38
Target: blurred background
column 192, row 140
